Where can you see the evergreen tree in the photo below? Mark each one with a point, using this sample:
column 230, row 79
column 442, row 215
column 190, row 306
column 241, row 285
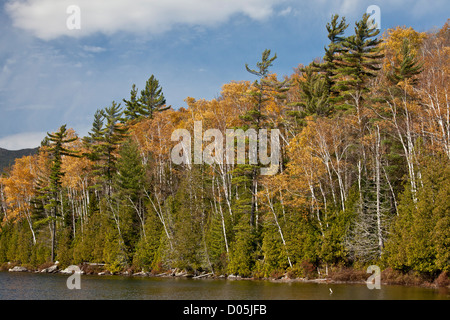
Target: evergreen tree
column 315, row 94
column 57, row 150
column 189, row 246
column 242, row 250
column 128, row 185
column 108, row 133
column 147, row 254
column 129, row 178
column 132, row 106
column 419, row 237
column 255, row 117
column 409, row 67
column 358, row 62
column 150, row 101
column 333, row 56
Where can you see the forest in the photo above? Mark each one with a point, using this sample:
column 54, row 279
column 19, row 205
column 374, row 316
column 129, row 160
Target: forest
column 364, row 175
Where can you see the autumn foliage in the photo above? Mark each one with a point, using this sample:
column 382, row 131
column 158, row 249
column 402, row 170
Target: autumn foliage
column 364, row 175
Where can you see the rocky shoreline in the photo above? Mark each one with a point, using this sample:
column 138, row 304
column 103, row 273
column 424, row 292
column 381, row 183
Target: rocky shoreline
column 173, row 273
column 356, row 277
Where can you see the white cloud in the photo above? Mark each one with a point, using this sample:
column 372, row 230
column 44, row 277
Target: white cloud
column 93, row 49
column 47, row 19
column 355, row 8
column 22, row 140
column 285, row 12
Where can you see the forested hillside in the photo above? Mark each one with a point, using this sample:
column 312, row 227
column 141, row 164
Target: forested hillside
column 364, row 175
column 7, row 157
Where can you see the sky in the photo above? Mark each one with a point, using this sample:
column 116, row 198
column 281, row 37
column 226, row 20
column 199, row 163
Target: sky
column 61, row 60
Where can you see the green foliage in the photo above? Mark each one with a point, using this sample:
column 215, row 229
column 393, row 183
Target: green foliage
column 242, row 250
column 64, row 251
column 129, row 179
column 113, row 251
column 332, row 204
column 359, row 61
column 303, row 239
column 216, row 243
column 274, row 253
column 315, row 94
column 57, row 150
column 326, row 86
column 409, row 66
column 420, row 233
column 189, row 246
column 151, row 100
column 147, row 249
column 334, row 248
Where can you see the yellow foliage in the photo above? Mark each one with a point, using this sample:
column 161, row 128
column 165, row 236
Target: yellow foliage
column 393, row 43
column 19, row 187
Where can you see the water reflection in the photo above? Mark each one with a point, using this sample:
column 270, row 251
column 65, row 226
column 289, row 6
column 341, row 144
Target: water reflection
column 45, row 286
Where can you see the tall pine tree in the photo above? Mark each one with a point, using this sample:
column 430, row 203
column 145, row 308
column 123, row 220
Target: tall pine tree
column 150, row 101
column 57, row 150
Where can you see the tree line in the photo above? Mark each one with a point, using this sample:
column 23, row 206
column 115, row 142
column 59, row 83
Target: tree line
column 364, row 176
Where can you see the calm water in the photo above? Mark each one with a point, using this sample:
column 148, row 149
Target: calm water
column 50, row 287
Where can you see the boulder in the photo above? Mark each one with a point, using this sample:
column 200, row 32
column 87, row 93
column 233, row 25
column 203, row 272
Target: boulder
column 51, row 269
column 71, row 269
column 18, row 269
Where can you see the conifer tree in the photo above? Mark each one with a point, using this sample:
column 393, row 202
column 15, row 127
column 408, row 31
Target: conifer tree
column 358, row 62
column 93, row 145
column 315, row 94
column 256, row 117
column 106, row 143
column 409, row 67
column 333, row 55
column 150, row 101
column 132, row 106
column 57, row 150
column 129, row 183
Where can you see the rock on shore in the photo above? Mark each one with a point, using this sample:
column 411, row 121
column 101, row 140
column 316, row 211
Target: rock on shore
column 52, row 269
column 18, row 269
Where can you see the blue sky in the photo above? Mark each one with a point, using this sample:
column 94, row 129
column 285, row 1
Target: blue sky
column 51, row 75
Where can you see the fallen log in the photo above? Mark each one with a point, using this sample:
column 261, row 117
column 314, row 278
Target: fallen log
column 203, row 275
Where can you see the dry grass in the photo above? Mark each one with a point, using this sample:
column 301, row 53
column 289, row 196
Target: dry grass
column 343, row 274
column 443, row 280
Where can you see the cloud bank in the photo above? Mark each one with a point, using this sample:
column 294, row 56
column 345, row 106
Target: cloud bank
column 47, row 19
column 23, row 140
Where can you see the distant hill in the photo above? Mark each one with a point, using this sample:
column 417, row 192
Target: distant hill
column 7, row 157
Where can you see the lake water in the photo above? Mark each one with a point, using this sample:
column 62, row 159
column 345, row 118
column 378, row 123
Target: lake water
column 31, row 286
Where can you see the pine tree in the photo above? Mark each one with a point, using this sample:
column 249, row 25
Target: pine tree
column 315, row 94
column 110, row 138
column 255, row 118
column 409, row 67
column 132, row 105
column 358, row 62
column 150, row 101
column 333, row 55
column 128, row 185
column 56, row 150
column 129, row 178
column 93, row 146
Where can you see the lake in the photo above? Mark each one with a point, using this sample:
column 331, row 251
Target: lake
column 32, row 286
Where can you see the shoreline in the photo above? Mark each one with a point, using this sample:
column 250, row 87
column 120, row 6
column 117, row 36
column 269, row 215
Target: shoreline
column 359, row 277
